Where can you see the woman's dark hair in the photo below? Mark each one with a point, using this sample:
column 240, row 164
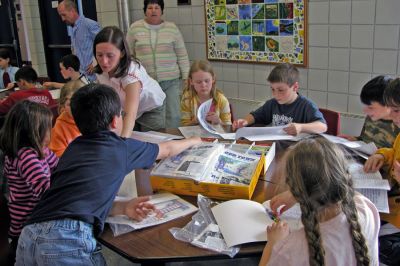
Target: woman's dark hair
column 115, row 36
column 158, row 2
column 26, row 125
column 373, row 90
column 94, row 106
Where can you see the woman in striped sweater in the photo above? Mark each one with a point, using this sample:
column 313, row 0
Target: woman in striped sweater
column 28, row 162
column 159, row 46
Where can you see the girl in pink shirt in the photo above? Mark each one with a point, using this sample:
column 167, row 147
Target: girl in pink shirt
column 28, row 162
column 340, row 226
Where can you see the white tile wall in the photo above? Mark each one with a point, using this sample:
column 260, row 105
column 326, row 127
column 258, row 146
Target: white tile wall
column 349, row 42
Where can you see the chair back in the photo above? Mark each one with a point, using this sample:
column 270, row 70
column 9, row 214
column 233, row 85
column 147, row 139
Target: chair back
column 332, row 121
column 232, row 117
column 54, row 110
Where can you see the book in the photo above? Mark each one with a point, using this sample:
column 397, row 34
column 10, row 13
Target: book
column 210, row 162
column 244, row 221
column 170, row 205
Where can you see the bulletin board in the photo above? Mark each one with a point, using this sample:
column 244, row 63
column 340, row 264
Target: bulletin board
column 262, row 31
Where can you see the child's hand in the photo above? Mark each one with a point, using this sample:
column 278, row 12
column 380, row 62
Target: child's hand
column 396, row 172
column 213, row 118
column 293, row 129
column 374, row 163
column 239, row 124
column 284, row 199
column 10, row 85
column 277, row 231
column 138, row 208
column 47, row 84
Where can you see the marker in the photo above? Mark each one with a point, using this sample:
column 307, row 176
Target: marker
column 272, row 216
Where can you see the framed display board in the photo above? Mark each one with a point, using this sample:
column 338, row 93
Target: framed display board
column 262, row 31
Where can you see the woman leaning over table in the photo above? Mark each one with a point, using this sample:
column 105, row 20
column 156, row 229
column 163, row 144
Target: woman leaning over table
column 159, row 45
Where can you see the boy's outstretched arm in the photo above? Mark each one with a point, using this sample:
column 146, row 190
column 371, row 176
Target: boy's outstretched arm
column 315, row 127
column 243, row 122
column 174, row 147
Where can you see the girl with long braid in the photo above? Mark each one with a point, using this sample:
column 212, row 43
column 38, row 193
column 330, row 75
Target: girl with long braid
column 340, row 226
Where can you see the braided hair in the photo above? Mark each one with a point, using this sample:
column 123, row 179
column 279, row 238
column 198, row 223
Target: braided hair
column 317, row 175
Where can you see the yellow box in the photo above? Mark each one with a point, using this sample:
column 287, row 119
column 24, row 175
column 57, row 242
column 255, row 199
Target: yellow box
column 190, row 187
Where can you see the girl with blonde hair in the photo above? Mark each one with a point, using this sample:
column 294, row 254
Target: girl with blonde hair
column 199, row 88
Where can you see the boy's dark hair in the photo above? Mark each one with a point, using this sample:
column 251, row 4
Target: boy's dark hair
column 26, row 73
column 373, row 90
column 285, row 73
column 94, row 106
column 5, row 53
column 115, row 36
column 148, row 2
column 26, row 125
column 391, row 96
column 71, row 60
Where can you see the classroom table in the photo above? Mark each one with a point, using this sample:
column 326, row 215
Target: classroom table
column 157, row 246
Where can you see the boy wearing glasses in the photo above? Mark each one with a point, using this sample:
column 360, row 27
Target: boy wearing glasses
column 287, row 107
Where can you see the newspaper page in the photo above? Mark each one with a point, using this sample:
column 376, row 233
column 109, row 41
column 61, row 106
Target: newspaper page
column 202, row 112
column 196, row 131
column 233, row 168
column 191, row 163
column 170, row 205
column 267, row 133
column 153, row 136
column 210, row 238
column 371, row 185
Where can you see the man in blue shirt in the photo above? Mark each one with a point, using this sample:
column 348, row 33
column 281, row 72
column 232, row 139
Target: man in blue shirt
column 63, row 227
column 83, row 32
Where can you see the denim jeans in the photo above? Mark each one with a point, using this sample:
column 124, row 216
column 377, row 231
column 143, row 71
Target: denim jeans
column 172, row 102
column 59, row 242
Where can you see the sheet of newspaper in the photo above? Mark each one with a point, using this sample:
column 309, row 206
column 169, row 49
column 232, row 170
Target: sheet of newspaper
column 170, row 205
column 371, row 185
column 196, row 131
column 153, row 136
column 191, row 163
column 267, row 133
column 361, row 148
column 202, row 112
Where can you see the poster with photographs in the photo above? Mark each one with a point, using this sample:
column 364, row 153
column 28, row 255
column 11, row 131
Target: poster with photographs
column 264, row 31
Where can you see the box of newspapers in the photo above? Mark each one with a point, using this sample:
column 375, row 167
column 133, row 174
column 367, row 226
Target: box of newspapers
column 216, row 170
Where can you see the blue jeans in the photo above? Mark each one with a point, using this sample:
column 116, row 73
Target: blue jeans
column 59, row 242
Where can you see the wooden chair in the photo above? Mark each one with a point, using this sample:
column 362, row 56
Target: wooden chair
column 54, row 110
column 332, row 121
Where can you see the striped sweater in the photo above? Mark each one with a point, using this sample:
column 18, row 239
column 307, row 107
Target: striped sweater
column 28, row 178
column 168, row 59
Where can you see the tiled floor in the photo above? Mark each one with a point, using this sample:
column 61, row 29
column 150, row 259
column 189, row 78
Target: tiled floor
column 114, row 259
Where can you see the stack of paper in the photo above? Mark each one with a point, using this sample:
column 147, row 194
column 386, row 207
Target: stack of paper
column 153, row 136
column 371, row 185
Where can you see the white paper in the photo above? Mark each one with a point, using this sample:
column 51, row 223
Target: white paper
column 343, row 141
column 356, row 170
column 367, row 148
column 371, row 183
column 196, row 131
column 241, row 221
column 388, row 229
column 170, row 205
column 266, row 133
column 245, row 221
column 153, row 136
column 378, row 197
column 55, row 93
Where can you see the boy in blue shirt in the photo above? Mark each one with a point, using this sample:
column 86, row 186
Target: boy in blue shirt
column 63, row 227
column 287, row 107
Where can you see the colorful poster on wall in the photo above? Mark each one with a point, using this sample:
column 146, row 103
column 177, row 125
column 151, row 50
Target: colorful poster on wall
column 263, row 31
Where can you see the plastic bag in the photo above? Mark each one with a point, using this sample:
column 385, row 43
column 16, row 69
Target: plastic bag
column 203, row 230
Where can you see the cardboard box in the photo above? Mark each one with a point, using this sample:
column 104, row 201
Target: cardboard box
column 190, row 187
